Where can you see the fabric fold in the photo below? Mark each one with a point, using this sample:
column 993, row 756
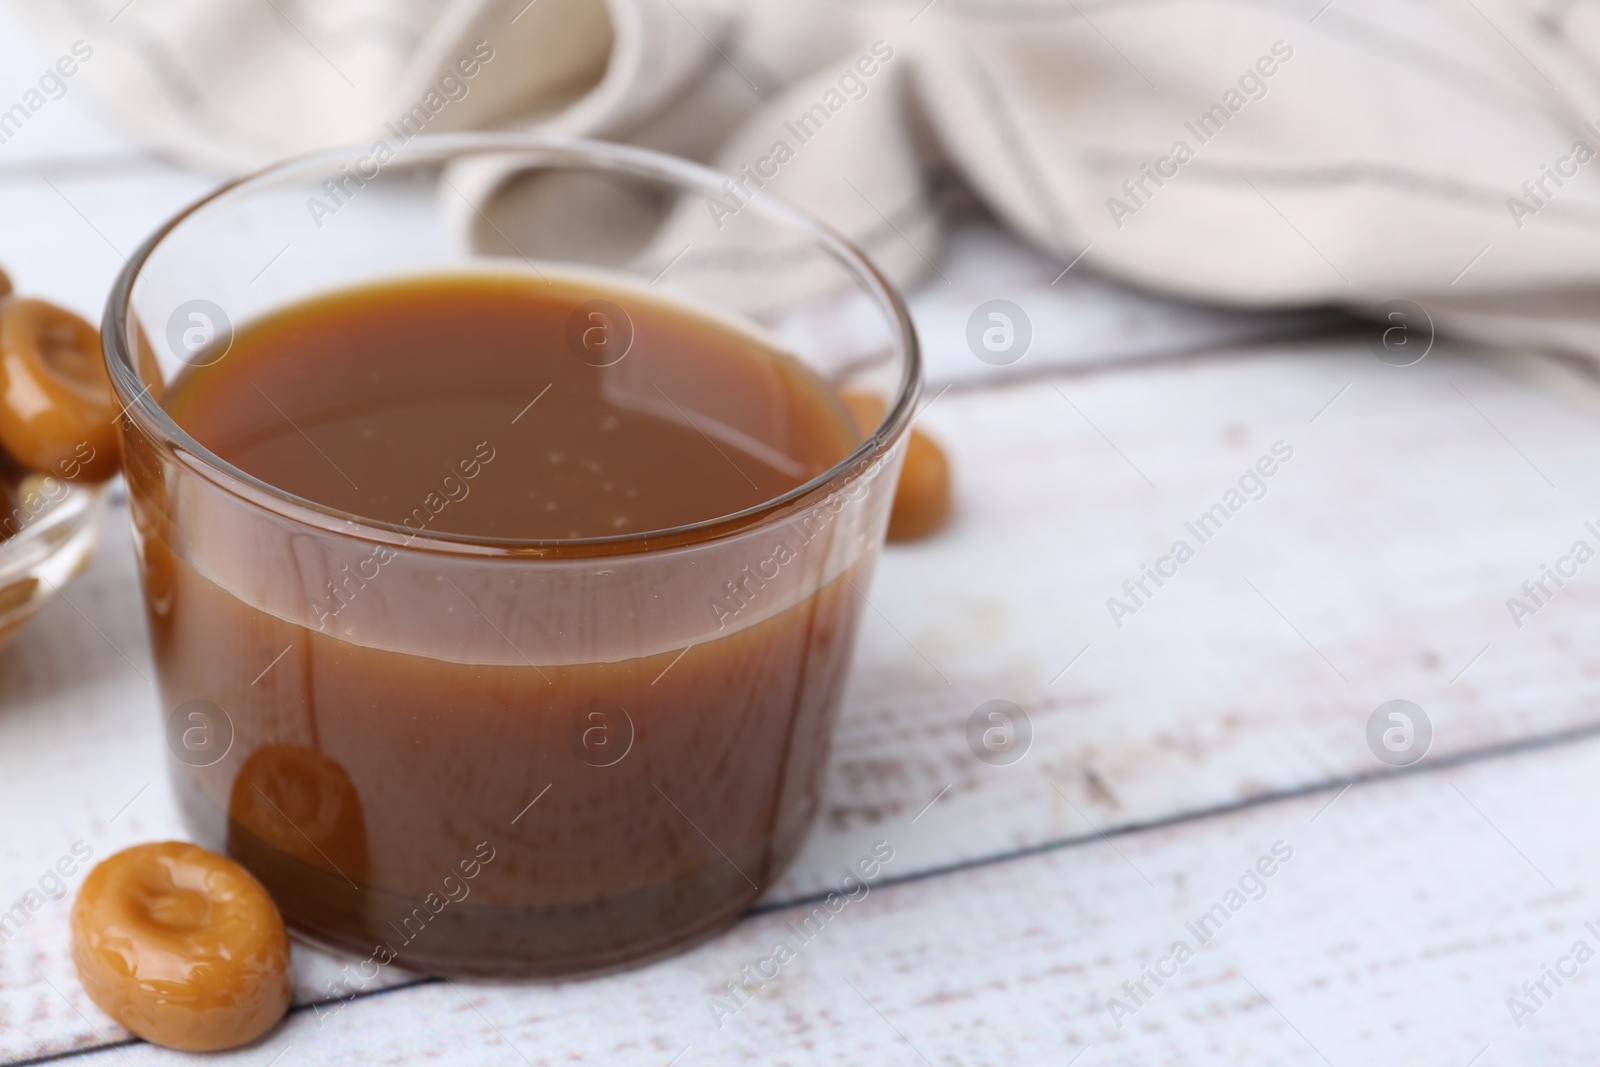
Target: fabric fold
column 1242, row 152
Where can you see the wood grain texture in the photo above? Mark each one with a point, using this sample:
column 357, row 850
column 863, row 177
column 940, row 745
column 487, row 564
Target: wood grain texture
column 1405, row 916
column 1378, row 564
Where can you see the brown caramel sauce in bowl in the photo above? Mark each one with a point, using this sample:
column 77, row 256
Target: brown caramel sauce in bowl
column 511, row 770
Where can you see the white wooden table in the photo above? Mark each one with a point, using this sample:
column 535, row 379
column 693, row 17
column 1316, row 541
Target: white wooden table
column 1220, row 729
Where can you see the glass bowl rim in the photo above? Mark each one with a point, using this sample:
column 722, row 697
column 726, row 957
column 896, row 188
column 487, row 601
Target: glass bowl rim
column 572, row 152
column 37, row 542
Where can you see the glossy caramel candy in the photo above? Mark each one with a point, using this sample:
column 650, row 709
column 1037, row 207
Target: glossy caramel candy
column 182, row 947
column 922, row 498
column 301, row 805
column 57, row 414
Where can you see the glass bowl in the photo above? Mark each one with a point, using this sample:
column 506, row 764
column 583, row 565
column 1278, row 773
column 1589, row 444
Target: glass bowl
column 57, row 526
column 391, row 701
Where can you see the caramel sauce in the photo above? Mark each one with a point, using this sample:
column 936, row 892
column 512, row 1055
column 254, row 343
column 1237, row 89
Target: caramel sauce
column 520, row 813
column 367, row 401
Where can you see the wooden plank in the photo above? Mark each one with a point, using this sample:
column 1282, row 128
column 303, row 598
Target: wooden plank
column 1377, row 566
column 1382, row 553
column 1059, row 319
column 1393, row 927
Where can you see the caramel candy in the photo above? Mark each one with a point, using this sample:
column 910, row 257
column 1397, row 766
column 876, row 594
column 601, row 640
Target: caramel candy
column 5, row 284
column 181, row 946
column 57, row 409
column 922, row 498
column 301, row 804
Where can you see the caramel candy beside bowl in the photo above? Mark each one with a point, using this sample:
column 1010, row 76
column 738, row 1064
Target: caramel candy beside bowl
column 922, row 498
column 181, row 946
column 56, row 420
column 57, row 412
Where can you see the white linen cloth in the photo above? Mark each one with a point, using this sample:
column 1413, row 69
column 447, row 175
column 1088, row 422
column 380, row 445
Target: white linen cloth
column 1248, row 152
